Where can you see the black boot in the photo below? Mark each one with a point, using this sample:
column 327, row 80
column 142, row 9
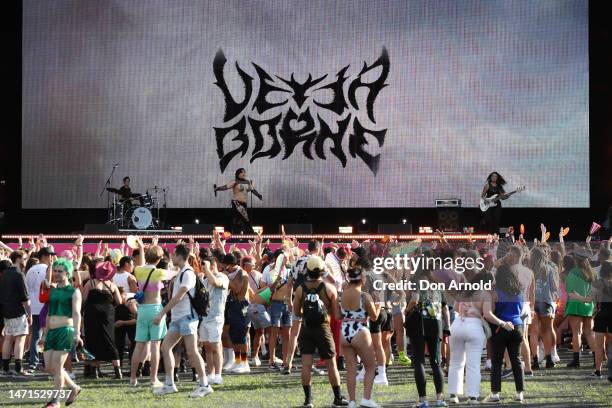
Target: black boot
column 194, row 376
column 139, row 370
column 575, row 363
column 118, row 374
column 535, row 364
column 176, row 377
column 549, row 362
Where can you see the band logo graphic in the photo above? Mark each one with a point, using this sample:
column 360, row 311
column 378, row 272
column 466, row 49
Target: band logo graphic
column 295, row 118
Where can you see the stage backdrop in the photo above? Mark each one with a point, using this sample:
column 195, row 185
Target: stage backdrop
column 326, row 103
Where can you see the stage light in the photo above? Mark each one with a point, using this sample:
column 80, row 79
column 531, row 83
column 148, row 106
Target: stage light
column 197, row 220
column 404, row 221
column 363, row 221
column 220, row 230
column 468, row 230
column 258, row 229
column 425, row 230
column 345, row 230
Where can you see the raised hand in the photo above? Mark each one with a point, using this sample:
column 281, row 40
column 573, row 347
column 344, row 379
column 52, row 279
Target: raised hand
column 154, row 240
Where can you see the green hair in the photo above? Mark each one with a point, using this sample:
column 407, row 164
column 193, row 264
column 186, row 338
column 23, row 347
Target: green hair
column 65, row 264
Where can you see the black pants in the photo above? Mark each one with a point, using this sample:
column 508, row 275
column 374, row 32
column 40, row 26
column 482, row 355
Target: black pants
column 501, row 341
column 492, row 219
column 431, row 336
column 120, row 334
column 241, row 222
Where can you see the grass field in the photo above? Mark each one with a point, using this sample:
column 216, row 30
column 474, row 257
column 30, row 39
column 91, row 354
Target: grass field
column 560, row 387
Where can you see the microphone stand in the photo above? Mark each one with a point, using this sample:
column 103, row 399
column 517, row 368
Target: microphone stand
column 107, row 185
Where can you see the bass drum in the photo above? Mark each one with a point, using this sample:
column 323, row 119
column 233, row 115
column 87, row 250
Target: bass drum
column 140, row 218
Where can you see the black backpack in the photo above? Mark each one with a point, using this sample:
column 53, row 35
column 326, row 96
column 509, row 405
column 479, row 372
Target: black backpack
column 314, row 310
column 200, row 301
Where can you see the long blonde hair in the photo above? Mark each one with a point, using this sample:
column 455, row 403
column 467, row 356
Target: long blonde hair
column 538, row 263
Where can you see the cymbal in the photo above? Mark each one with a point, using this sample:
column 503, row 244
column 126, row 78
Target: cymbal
column 112, row 190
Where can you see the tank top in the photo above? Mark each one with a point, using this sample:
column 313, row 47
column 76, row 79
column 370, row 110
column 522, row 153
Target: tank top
column 121, row 280
column 509, row 308
column 60, row 301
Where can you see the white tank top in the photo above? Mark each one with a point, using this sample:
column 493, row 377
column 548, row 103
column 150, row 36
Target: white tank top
column 121, row 280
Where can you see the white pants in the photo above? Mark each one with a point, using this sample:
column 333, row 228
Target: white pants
column 466, row 343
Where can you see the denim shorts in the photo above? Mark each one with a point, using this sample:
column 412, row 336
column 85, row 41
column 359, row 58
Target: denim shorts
column 259, row 316
column 185, row 326
column 545, row 309
column 238, row 321
column 279, row 314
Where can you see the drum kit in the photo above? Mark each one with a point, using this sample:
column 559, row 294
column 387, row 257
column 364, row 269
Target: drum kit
column 139, row 211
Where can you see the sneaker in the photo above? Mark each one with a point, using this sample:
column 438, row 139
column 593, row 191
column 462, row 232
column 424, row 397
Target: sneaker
column 381, row 379
column 473, row 401
column 528, row 374
column 595, row 374
column 52, row 404
column 403, row 359
column 361, row 375
column 242, row 368
column 308, row 404
column 274, row 367
column 156, row 384
column 453, row 399
column 318, row 371
column 551, row 363
column 422, row 404
column 285, row 370
column 278, row 361
column 487, row 366
column 352, row 404
column 507, row 373
column 518, row 397
column 492, row 399
column 215, row 379
column 201, row 391
column 368, row 403
column 340, row 402
column 256, row 361
column 23, row 374
column 228, row 365
column 166, row 389
column 133, row 383
column 441, row 403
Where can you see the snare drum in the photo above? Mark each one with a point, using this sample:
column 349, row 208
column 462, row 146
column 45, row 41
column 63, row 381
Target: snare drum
column 140, row 218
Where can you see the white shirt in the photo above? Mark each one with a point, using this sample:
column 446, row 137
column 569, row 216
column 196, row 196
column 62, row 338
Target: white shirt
column 183, row 307
column 121, row 280
column 35, row 276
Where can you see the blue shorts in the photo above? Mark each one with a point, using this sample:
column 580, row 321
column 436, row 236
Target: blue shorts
column 238, row 321
column 185, row 326
column 259, row 316
column 279, row 314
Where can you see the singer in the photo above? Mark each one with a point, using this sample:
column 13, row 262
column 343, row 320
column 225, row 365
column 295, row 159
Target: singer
column 240, row 186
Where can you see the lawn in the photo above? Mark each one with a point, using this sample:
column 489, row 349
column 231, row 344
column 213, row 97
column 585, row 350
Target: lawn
column 560, row 387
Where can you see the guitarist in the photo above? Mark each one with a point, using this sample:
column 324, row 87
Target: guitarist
column 494, row 185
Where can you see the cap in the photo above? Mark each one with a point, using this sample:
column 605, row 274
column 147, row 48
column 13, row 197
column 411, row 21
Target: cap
column 315, row 262
column 45, row 251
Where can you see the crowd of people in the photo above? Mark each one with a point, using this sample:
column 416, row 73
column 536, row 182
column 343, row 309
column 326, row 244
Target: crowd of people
column 225, row 308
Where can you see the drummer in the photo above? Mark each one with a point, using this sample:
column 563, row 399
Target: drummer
column 125, row 191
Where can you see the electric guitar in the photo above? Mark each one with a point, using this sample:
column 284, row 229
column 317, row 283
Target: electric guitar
column 486, row 203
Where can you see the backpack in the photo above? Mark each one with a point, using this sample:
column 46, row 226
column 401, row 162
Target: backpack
column 314, row 311
column 200, row 301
